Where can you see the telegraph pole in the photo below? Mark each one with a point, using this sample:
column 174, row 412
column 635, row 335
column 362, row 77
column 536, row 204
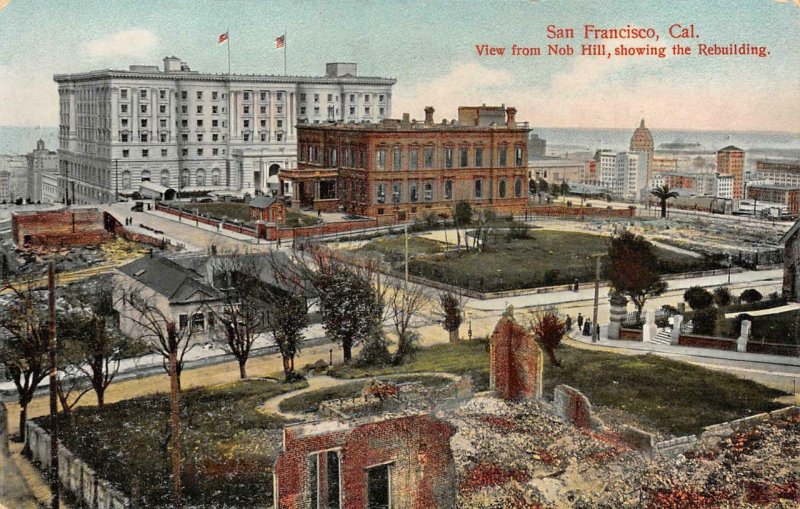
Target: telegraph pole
column 405, row 231
column 54, row 480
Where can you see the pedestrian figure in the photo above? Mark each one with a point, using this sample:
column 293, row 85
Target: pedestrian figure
column 587, row 328
column 279, row 242
column 319, row 212
column 575, row 286
column 580, row 320
column 568, row 322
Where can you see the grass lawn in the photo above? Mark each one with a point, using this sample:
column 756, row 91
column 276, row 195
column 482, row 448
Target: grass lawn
column 309, row 402
column 241, row 212
column 395, row 245
column 546, row 258
column 228, row 447
column 671, row 396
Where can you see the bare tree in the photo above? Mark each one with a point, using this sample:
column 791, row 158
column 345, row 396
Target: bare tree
column 548, row 327
column 403, row 303
column 24, row 350
column 160, row 332
column 243, row 314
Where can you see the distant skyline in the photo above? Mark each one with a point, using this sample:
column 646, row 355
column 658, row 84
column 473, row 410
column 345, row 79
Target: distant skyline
column 429, row 47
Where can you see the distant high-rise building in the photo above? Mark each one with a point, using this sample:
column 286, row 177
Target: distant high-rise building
column 642, row 142
column 189, row 131
column 5, row 186
column 730, row 161
column 623, row 173
column 40, row 161
column 537, row 147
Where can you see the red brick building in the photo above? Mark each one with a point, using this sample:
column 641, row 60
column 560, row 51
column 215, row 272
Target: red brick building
column 65, row 227
column 402, row 463
column 730, row 161
column 398, row 169
column 270, row 209
column 515, row 361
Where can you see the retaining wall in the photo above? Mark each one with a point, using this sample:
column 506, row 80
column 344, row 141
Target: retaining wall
column 85, row 485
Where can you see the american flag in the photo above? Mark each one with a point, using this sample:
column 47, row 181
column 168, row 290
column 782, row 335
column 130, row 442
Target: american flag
column 223, row 38
column 280, row 41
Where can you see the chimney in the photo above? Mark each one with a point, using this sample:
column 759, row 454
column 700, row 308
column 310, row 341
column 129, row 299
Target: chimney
column 429, row 115
column 511, row 114
column 406, row 123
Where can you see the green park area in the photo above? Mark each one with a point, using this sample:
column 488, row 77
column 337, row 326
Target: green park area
column 241, row 212
column 543, row 258
column 229, row 447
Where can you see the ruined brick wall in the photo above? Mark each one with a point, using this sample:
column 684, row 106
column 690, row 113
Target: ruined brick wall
column 515, row 362
column 572, row 406
column 417, row 448
column 707, row 342
column 580, row 211
column 59, row 227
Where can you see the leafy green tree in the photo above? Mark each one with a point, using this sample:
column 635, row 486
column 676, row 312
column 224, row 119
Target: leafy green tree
column 705, row 321
column 663, row 194
column 722, row 296
column 698, row 298
column 751, row 295
column 451, row 311
column 543, row 185
column 633, row 269
column 564, row 188
column 532, row 187
column 349, row 306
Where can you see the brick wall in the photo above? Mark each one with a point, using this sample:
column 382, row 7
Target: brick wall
column 580, row 211
column 707, row 342
column 59, row 227
column 417, row 448
column 572, row 406
column 630, row 334
column 515, row 362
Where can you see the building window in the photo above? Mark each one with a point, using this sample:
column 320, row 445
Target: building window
column 448, row 189
column 263, row 136
column 215, row 123
column 316, row 98
column 199, row 151
column 144, row 122
column 246, row 136
column 302, row 97
column 185, row 178
column 378, row 487
column 316, row 110
column 123, row 93
column 185, row 152
column 200, row 137
column 366, row 110
column 397, row 188
column 247, row 110
column 479, row 189
column 279, row 96
column 502, row 160
column 184, row 94
column 263, row 96
column 162, row 94
column 352, row 110
column 184, row 108
column 214, row 95
column 124, row 138
column 184, row 123
column 518, row 187
column 199, row 96
column 199, row 123
column 123, row 108
column 201, row 177
column 185, row 137
column 199, row 109
column 247, row 96
column 214, row 151
column 448, row 157
column 380, row 193
column 352, row 97
column 366, row 98
column 519, row 156
column 215, row 177
column 198, row 322
column 143, row 94
column 413, row 159
column 330, row 97
column 165, row 178
column 164, row 152
column 143, row 137
column 145, row 175
column 501, row 188
column 380, row 158
column 302, row 110
column 279, row 123
column 463, row 157
column 126, row 153
column 397, row 158
column 215, row 137
column 183, row 321
column 428, row 157
column 478, row 157
column 428, row 191
column 214, row 110
column 162, row 123
column 413, row 195
column 145, row 153
column 124, row 122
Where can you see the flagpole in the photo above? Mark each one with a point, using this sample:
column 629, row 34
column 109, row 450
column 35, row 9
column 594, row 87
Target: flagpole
column 228, row 43
column 284, row 51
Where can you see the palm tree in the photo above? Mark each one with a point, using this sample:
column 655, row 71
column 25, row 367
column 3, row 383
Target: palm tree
column 663, row 194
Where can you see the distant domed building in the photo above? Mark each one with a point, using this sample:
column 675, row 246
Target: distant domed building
column 642, row 142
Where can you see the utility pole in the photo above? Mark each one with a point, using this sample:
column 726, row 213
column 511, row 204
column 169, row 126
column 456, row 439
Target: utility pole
column 54, row 477
column 172, row 341
column 595, row 331
column 405, row 231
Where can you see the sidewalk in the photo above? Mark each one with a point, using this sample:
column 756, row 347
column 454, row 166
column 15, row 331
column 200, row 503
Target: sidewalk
column 586, row 293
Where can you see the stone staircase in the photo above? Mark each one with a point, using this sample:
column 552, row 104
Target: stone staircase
column 663, row 337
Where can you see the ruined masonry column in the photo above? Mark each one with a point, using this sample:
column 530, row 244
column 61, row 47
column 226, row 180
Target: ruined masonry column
column 619, row 310
column 744, row 335
column 649, row 330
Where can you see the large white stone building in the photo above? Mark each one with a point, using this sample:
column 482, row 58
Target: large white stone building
column 189, row 131
column 623, row 173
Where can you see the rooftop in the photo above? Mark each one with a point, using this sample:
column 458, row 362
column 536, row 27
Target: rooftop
column 177, row 283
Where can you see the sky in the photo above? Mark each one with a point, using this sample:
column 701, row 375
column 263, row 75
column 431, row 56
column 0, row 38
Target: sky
column 429, row 47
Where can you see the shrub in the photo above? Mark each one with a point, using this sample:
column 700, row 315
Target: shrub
column 705, row 321
column 375, row 351
column 722, row 296
column 774, row 297
column 698, row 297
column 751, row 295
column 551, row 276
column 670, row 310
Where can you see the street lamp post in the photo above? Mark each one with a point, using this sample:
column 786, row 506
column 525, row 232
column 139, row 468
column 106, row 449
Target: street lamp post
column 730, row 262
column 595, row 329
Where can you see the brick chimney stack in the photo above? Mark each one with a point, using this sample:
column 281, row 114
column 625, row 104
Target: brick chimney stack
column 511, row 114
column 429, row 115
column 406, row 122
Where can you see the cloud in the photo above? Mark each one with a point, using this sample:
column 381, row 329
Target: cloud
column 27, row 98
column 134, row 43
